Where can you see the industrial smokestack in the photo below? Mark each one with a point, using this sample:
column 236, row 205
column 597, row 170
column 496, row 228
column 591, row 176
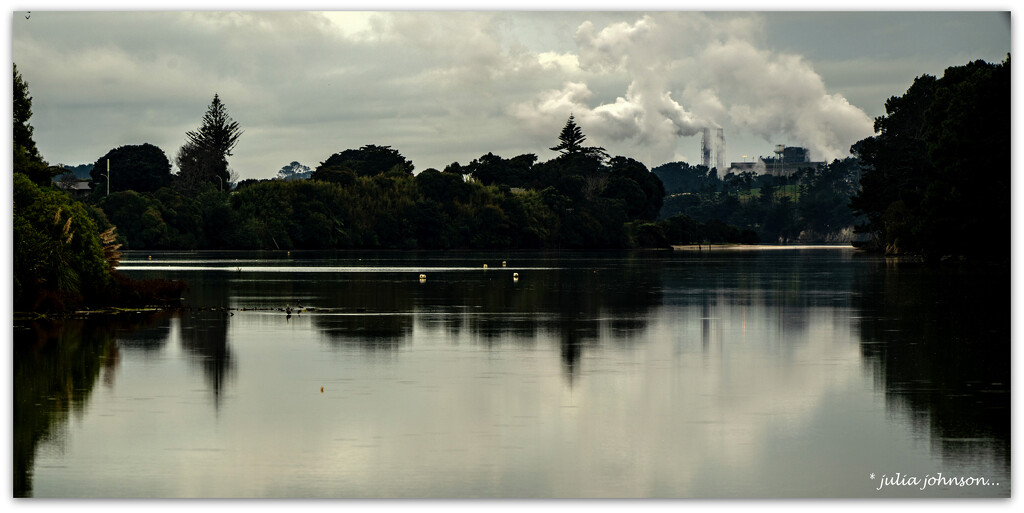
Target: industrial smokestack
column 705, row 147
column 720, row 162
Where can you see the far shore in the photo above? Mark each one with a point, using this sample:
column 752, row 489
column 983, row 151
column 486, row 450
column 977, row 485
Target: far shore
column 743, row 247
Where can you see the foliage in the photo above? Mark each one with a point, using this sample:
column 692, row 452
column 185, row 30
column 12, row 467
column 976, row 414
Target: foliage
column 809, row 206
column 26, row 157
column 570, row 141
column 138, row 218
column 491, row 169
column 58, row 256
column 920, row 189
column 141, row 168
column 680, row 177
column 62, row 260
column 683, row 230
column 294, row 171
column 625, row 170
column 203, row 157
column 81, row 171
column 369, row 160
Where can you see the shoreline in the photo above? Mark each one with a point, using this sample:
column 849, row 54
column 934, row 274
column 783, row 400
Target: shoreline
column 756, row 247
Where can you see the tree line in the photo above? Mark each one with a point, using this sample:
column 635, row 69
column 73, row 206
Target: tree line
column 934, row 181
column 369, row 197
column 937, row 174
column 811, row 205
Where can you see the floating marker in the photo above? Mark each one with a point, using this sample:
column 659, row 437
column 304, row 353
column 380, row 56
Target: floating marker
column 485, row 266
column 503, row 263
column 321, row 390
column 515, row 275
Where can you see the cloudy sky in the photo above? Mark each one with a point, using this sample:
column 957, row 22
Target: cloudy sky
column 442, row 87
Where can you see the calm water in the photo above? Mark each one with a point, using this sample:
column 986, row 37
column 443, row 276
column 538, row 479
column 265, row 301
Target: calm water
column 774, row 373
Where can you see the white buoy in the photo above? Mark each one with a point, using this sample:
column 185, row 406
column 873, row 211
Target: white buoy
column 485, row 266
column 503, row 263
column 515, row 275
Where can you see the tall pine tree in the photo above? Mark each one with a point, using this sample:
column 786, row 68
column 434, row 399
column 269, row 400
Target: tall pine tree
column 571, row 141
column 203, row 157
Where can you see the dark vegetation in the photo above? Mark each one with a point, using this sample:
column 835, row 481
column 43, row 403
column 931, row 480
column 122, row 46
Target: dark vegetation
column 934, row 181
column 65, row 251
column 937, row 174
column 808, row 206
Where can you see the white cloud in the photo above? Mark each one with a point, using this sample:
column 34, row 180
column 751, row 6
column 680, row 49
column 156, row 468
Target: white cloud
column 437, row 86
column 722, row 79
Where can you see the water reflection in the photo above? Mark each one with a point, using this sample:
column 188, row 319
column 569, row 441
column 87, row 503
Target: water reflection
column 204, row 335
column 378, row 311
column 56, row 367
column 657, row 374
column 938, row 341
column 147, row 340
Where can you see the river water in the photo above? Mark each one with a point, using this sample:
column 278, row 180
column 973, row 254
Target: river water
column 816, row 372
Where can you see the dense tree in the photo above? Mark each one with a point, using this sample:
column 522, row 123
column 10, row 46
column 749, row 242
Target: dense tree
column 203, row 157
column 81, row 171
column 442, row 187
column 624, row 168
column 491, row 169
column 138, row 218
column 141, row 168
column 294, row 171
column 22, row 112
column 936, row 176
column 58, row 255
column 26, row 156
column 825, row 194
column 571, row 138
column 369, row 160
column 680, row 177
column 813, row 208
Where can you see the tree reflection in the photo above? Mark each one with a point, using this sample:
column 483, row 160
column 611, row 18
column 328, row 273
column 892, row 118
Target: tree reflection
column 369, row 331
column 938, row 340
column 204, row 335
column 204, row 328
column 377, row 311
column 56, row 367
column 372, row 313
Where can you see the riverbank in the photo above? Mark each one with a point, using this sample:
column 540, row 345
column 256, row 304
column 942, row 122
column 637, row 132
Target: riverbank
column 756, row 247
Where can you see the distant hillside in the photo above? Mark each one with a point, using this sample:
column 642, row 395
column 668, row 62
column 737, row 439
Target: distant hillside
column 81, row 171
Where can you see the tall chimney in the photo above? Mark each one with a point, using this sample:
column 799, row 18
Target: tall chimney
column 705, row 147
column 720, row 162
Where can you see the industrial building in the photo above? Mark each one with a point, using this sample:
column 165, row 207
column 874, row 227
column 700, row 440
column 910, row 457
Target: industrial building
column 787, row 160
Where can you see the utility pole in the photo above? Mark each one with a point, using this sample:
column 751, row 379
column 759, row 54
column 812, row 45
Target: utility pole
column 107, row 176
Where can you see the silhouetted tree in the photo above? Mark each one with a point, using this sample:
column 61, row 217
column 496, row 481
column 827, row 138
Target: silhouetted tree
column 369, row 160
column 653, row 191
column 27, row 159
column 139, row 167
column 571, row 141
column 294, row 171
column 203, row 157
column 920, row 187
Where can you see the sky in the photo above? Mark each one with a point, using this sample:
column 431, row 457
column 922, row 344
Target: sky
column 447, row 86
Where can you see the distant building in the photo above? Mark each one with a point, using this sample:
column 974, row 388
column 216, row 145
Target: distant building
column 76, row 188
column 788, row 160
